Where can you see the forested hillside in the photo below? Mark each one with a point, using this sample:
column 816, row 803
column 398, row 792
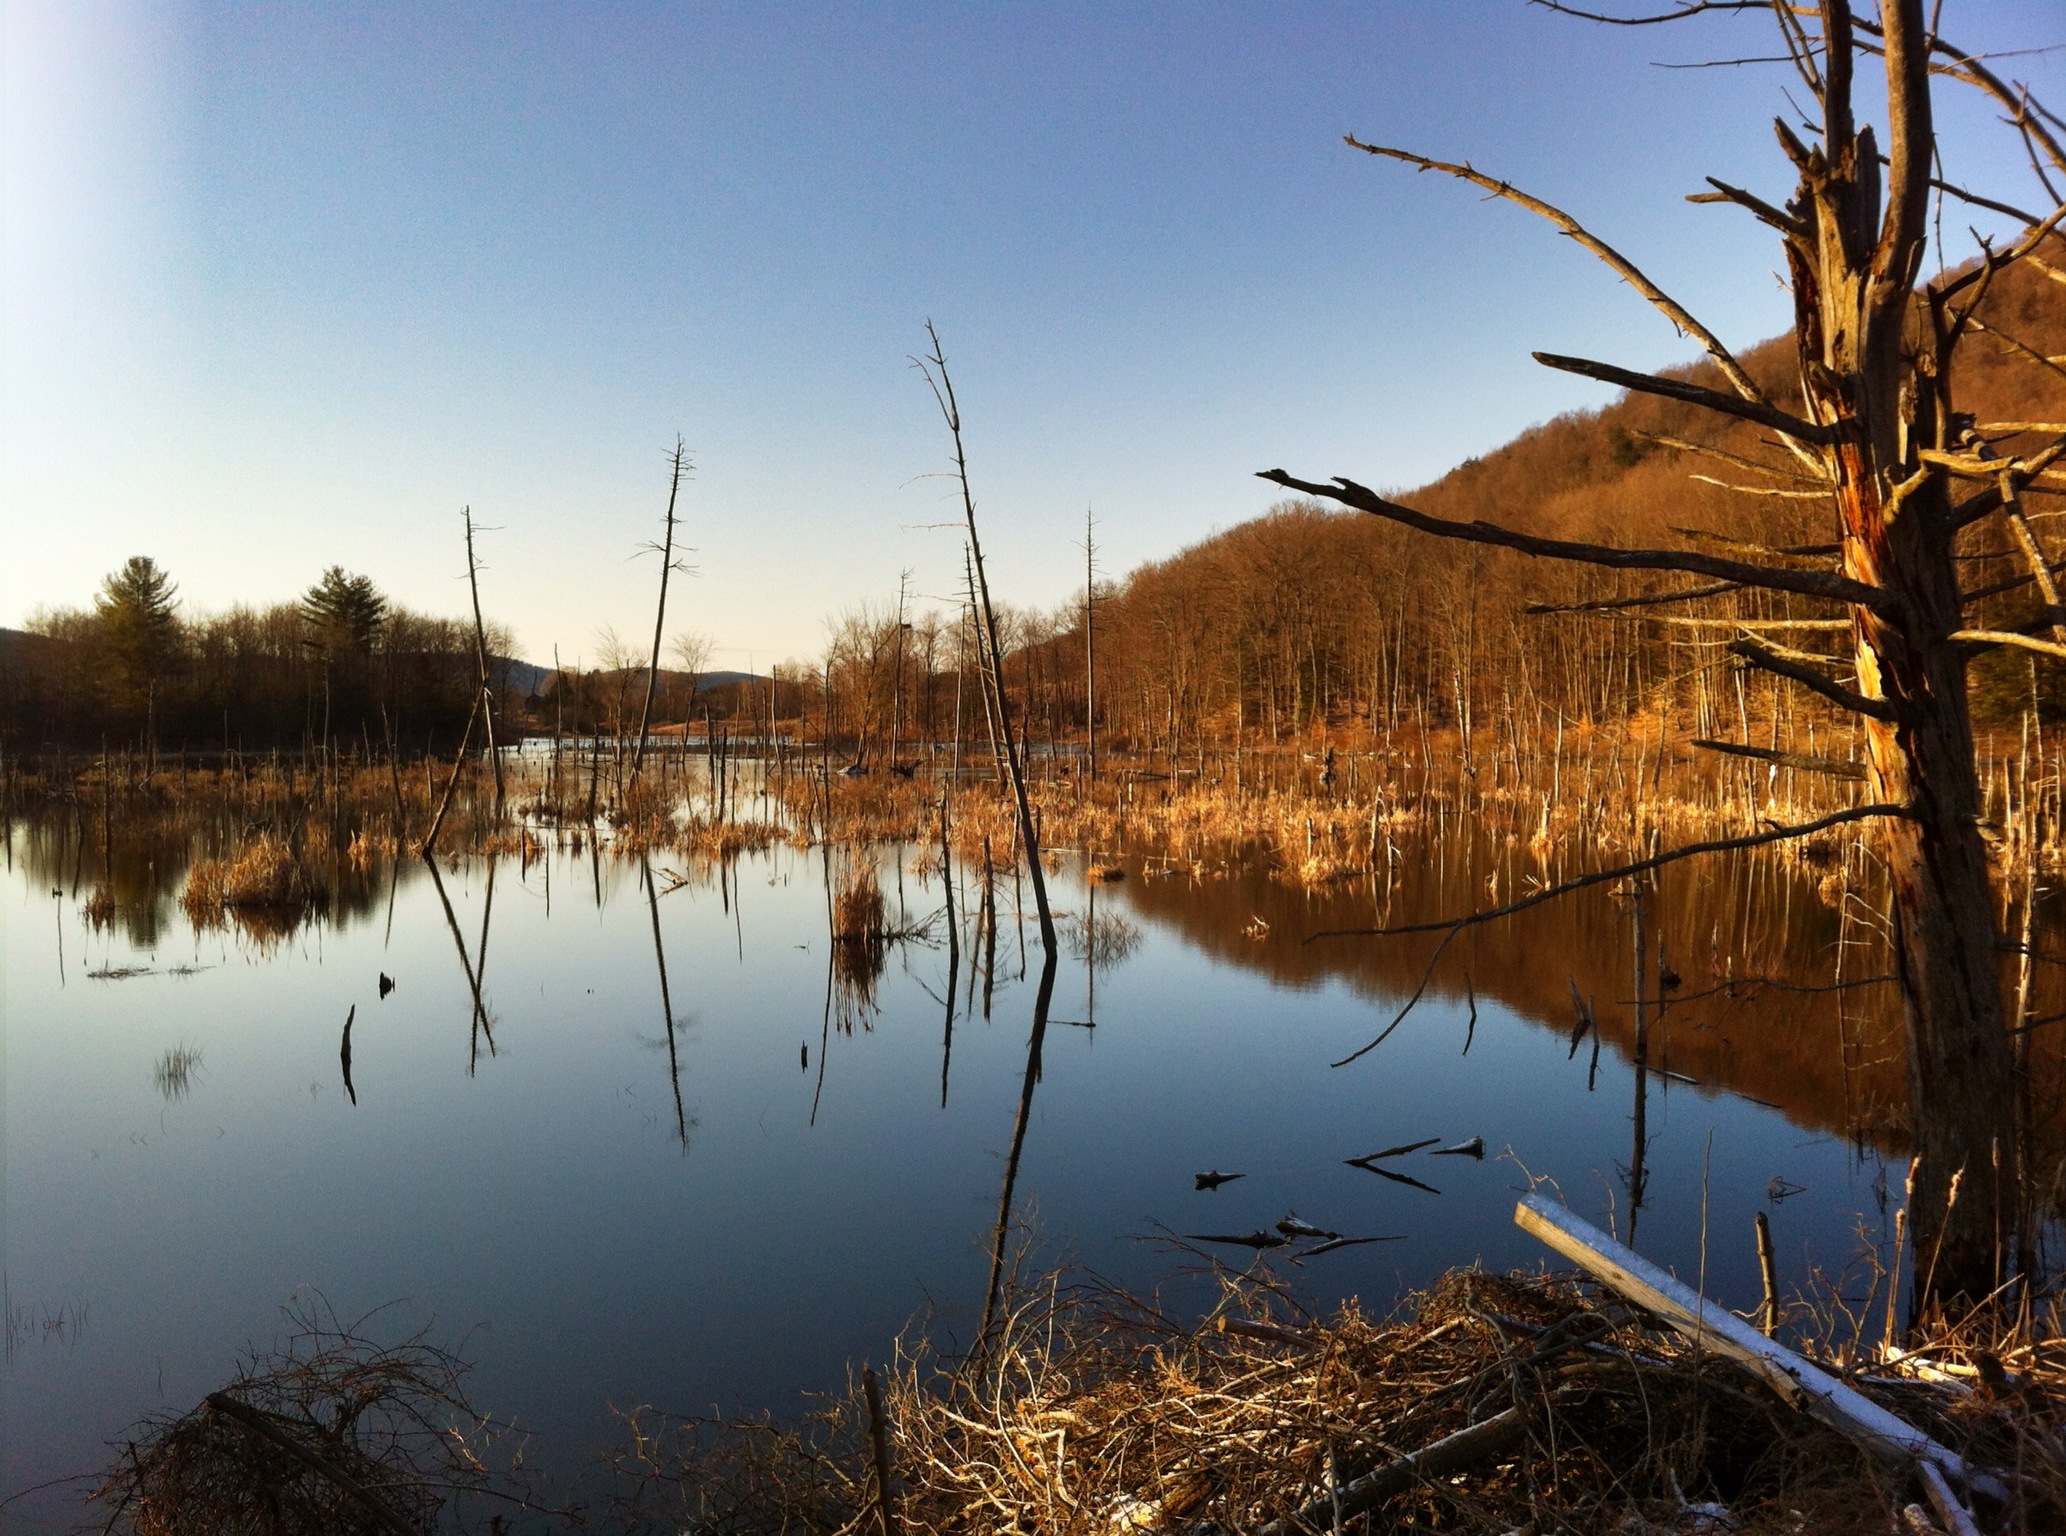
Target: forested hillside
column 1311, row 615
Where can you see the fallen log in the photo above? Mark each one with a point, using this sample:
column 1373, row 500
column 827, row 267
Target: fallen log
column 255, row 1422
column 1447, row 1456
column 1892, row 1439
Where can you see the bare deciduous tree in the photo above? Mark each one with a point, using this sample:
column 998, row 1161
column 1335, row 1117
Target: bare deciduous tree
column 1878, row 430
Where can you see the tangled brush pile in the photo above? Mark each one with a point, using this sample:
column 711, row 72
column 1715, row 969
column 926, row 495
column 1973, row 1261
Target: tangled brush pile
column 1494, row 1404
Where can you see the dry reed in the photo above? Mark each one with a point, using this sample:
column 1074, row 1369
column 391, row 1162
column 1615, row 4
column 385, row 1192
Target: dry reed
column 1097, row 1412
column 263, row 885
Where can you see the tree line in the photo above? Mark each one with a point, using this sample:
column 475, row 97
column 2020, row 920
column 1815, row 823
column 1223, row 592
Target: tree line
column 1313, row 623
column 341, row 668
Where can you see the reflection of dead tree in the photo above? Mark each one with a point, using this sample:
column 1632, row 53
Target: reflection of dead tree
column 1102, row 940
column 953, row 936
column 482, row 1023
column 831, row 967
column 1907, row 473
column 681, row 1122
column 1027, row 1084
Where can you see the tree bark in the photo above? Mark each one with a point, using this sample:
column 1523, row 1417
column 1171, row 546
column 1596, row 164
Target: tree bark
column 1853, row 280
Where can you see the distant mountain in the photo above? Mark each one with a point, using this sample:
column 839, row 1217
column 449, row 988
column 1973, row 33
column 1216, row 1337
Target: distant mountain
column 705, row 681
column 520, row 676
column 669, row 677
column 19, row 643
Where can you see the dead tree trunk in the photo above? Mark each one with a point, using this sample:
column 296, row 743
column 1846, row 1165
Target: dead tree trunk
column 1880, row 430
column 679, row 466
column 1854, row 274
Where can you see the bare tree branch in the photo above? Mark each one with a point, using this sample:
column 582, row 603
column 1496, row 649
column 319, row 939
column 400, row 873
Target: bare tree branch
column 1768, row 659
column 1671, row 309
column 1836, row 768
column 1646, row 600
column 1986, row 637
column 1985, row 202
column 1827, row 585
column 1776, row 471
column 1693, row 394
column 1782, row 221
column 1756, row 624
column 1784, row 551
column 1684, row 11
column 1774, row 834
column 1762, row 490
column 1897, row 259
column 2029, row 354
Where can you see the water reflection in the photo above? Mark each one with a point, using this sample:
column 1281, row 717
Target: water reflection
column 173, row 1076
column 681, row 1120
column 1035, row 1040
column 855, row 1191
column 1769, row 999
column 480, row 1023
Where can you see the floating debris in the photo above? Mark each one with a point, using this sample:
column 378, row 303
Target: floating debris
column 1214, row 1179
column 1411, row 1146
column 1348, row 1242
column 1475, row 1147
column 387, row 984
column 1257, row 1239
column 1291, row 1226
column 344, row 1055
column 1778, row 1189
column 1396, row 1178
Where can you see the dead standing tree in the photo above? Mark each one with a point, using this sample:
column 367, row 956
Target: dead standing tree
column 678, row 464
column 934, row 367
column 1907, row 475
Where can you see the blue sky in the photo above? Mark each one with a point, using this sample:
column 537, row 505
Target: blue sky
column 286, row 285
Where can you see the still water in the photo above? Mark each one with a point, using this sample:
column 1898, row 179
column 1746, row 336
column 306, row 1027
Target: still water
column 605, row 1212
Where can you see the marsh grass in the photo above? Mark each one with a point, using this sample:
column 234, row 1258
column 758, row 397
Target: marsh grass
column 264, row 887
column 99, row 909
column 1096, row 1411
column 173, row 1075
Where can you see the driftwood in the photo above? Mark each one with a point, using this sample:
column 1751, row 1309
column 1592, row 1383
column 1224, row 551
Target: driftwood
column 1445, row 1457
column 1891, row 1439
column 260, row 1424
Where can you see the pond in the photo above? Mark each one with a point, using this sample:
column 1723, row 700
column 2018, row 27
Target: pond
column 719, row 1187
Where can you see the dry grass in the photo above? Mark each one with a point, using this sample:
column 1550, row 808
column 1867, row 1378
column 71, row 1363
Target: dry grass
column 99, row 908
column 859, row 914
column 330, row 1433
column 264, row 886
column 1093, row 1411
column 1096, row 1412
column 860, row 945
